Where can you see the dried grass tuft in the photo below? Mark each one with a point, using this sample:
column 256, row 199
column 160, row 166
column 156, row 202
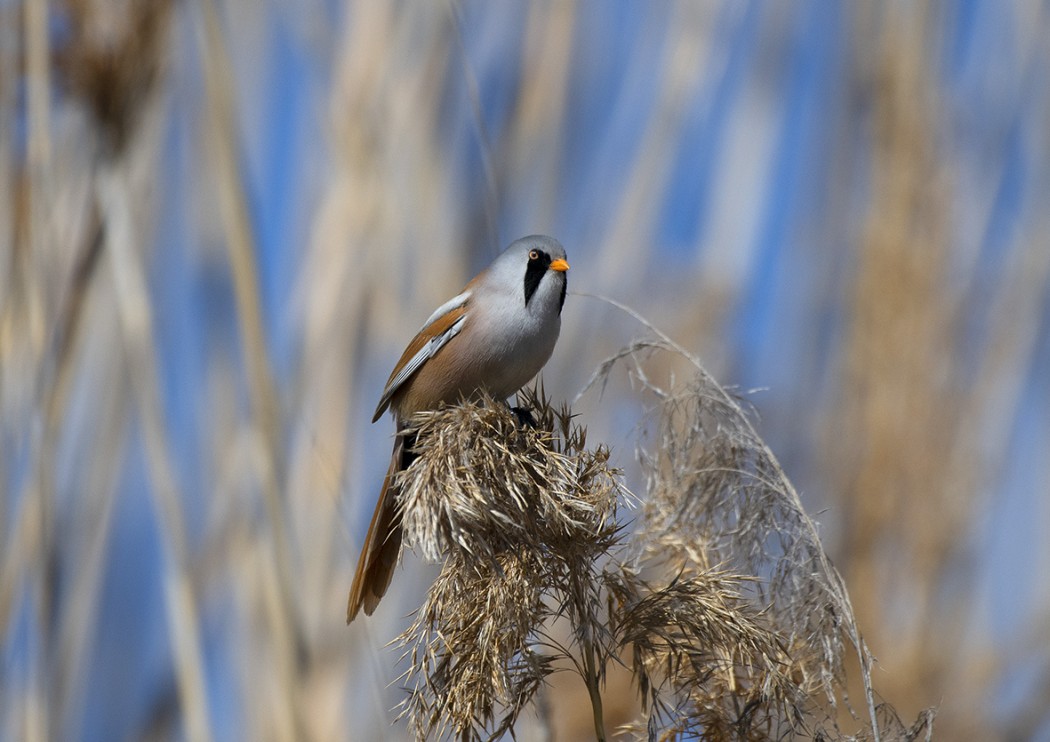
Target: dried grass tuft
column 552, row 490
column 704, row 660
column 721, row 600
column 523, row 517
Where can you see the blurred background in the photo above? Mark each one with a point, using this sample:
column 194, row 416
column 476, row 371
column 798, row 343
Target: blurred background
column 222, row 220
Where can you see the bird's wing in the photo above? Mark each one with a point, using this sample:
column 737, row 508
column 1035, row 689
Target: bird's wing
column 454, row 303
column 442, row 326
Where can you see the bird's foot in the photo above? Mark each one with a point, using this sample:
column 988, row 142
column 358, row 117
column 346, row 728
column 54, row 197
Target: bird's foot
column 524, row 416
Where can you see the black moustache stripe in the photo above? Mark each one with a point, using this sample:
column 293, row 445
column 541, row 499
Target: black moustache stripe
column 534, row 274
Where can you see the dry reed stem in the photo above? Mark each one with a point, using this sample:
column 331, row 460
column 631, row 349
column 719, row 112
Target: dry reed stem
column 136, row 323
column 906, row 463
column 286, row 634
column 39, row 173
column 79, row 621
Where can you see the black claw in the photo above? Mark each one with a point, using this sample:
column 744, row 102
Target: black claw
column 524, row 415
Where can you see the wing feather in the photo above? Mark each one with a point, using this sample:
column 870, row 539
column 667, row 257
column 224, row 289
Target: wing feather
column 454, row 303
column 427, row 342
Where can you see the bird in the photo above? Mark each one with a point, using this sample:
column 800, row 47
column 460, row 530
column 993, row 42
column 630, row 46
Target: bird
column 490, row 339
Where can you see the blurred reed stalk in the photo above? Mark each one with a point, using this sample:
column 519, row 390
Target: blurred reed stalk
column 285, row 633
column 136, row 321
column 910, row 462
column 36, row 499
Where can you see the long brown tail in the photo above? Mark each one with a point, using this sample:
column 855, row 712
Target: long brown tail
column 375, row 566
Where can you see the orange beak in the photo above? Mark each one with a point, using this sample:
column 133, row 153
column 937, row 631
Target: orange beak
column 559, row 265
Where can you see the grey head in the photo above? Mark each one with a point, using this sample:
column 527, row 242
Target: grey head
column 536, row 267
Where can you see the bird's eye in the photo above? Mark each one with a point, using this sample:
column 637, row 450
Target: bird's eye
column 534, row 255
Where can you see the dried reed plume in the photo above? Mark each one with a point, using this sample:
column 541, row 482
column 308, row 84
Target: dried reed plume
column 524, row 516
column 721, row 601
